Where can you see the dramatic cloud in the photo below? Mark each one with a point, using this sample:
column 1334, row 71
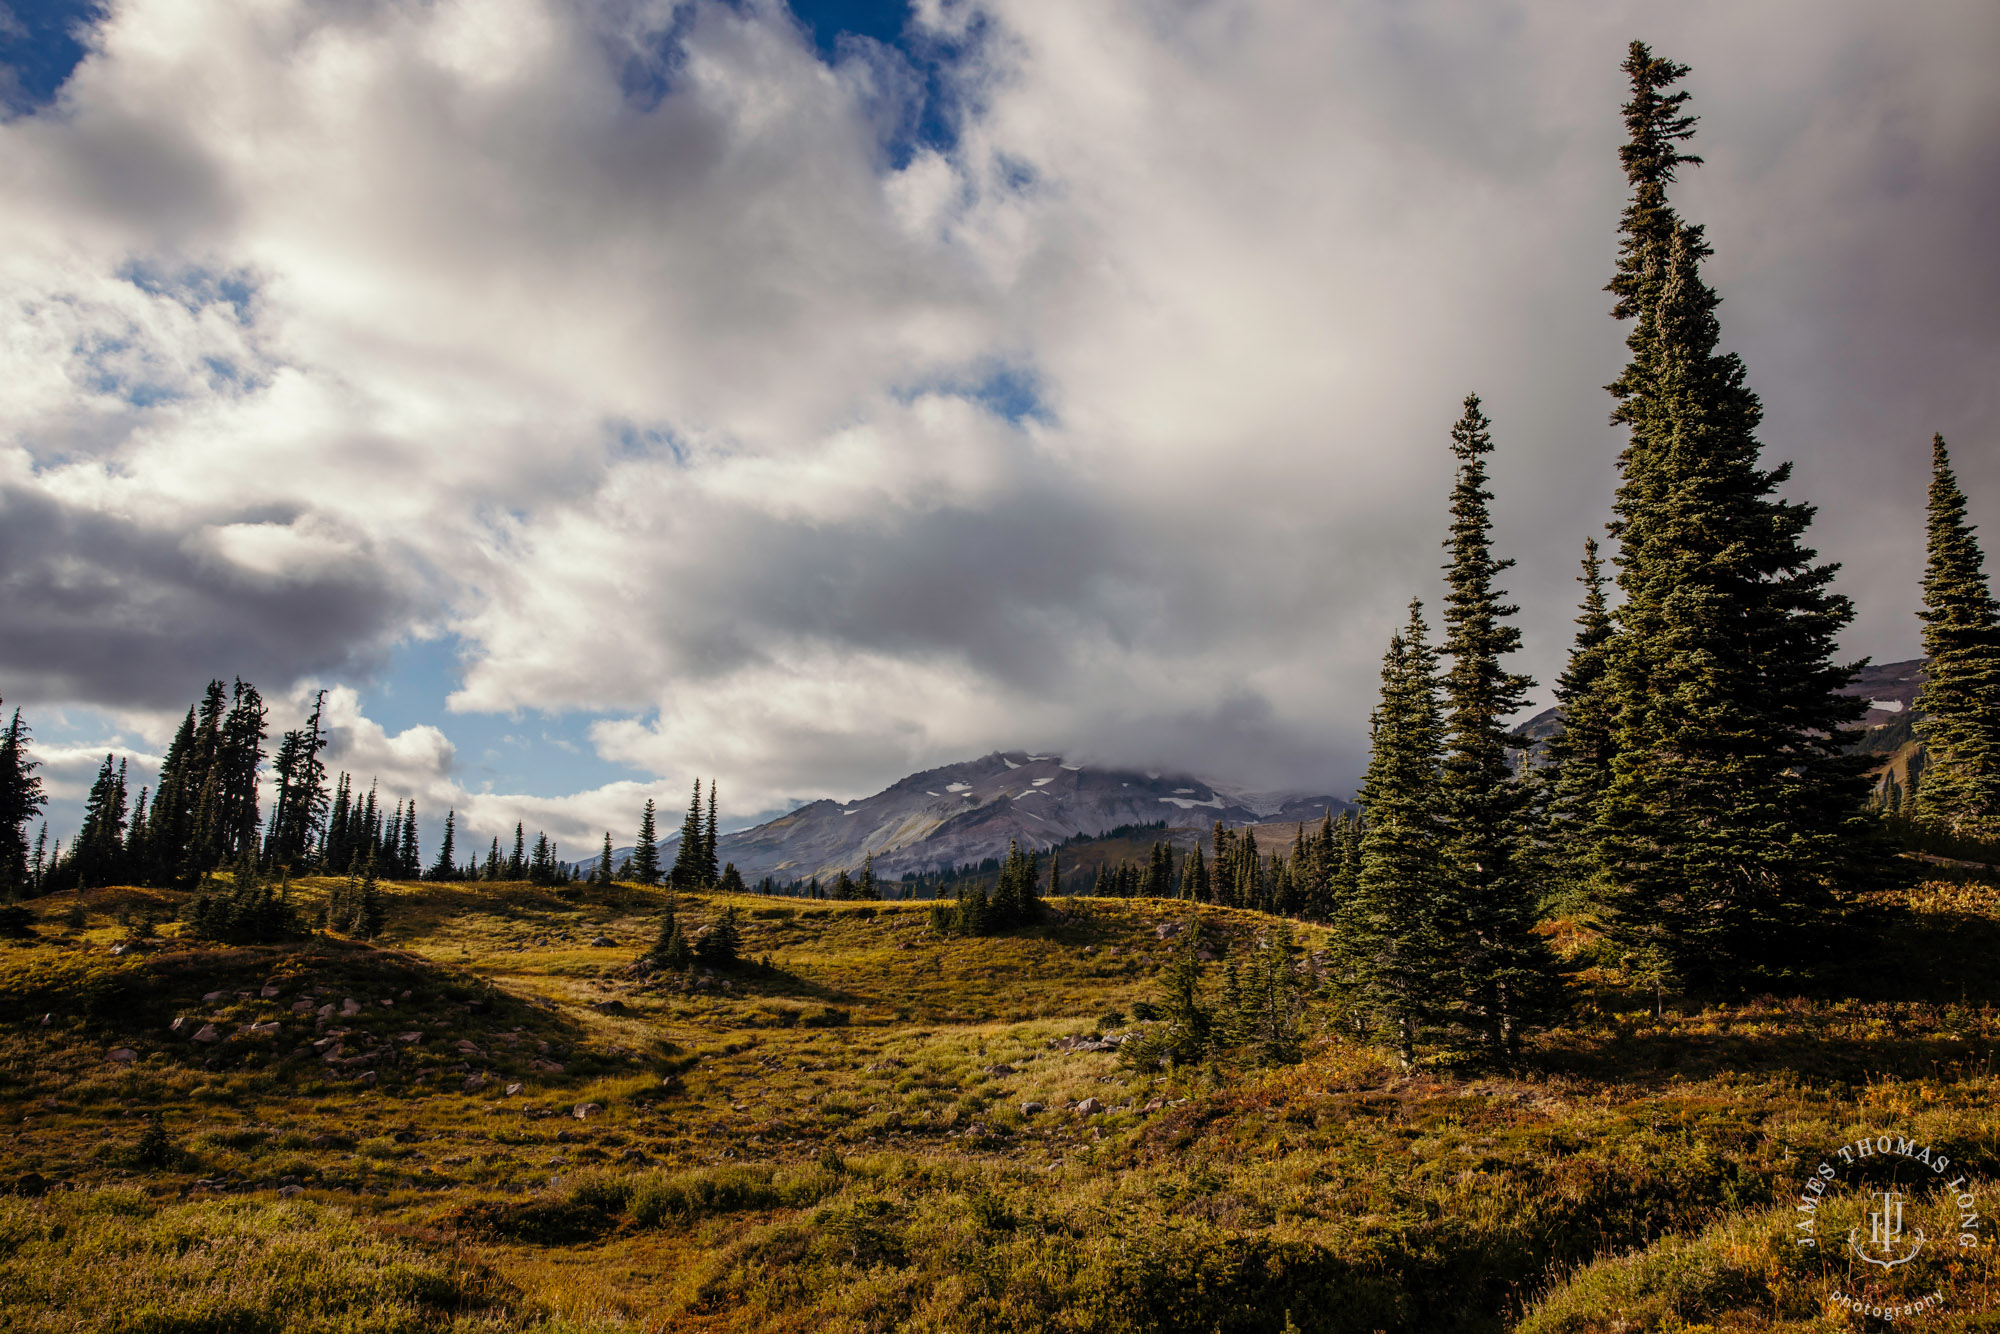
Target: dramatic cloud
column 649, row 353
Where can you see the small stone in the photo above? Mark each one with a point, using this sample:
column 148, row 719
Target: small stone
column 325, row 1011
column 409, row 1037
column 207, row 1033
column 264, row 1030
column 290, row 1192
column 1167, row 930
column 467, row 1047
column 321, row 1142
column 368, row 1078
column 350, row 1006
column 268, row 992
column 541, row 1067
column 473, row 1083
column 514, row 1090
column 47, row 1019
column 386, row 1003
column 123, row 1055
column 602, row 942
column 583, row 1111
column 1031, row 1108
column 1205, row 956
column 1089, row 1107
column 213, row 996
column 1155, row 1105
column 1001, row 1069
column 120, row 949
column 302, row 1007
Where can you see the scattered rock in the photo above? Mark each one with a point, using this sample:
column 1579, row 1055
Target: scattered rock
column 609, row 1006
column 350, row 1006
column 1031, row 1108
column 213, row 996
column 325, row 1011
column 541, row 1067
column 1155, row 1105
column 409, row 1037
column 1001, row 1069
column 583, row 1111
column 602, row 942
column 564, row 1137
column 513, row 1090
column 264, row 1030
column 1206, row 956
column 268, row 992
column 473, row 1083
column 123, row 1055
column 467, row 1047
column 289, row 1192
column 207, row 1033
column 47, row 1019
column 180, row 1025
column 1089, row 1107
column 301, row 1007
column 386, row 1003
column 123, row 947
column 321, row 1142
column 1167, row 930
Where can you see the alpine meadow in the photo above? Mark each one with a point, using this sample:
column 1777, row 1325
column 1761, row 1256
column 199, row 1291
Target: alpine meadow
column 1637, row 979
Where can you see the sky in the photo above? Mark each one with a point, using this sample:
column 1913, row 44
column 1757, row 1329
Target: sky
column 591, row 396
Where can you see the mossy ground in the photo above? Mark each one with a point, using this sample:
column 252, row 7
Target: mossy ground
column 836, row 1140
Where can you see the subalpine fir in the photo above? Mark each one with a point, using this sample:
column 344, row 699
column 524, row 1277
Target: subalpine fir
column 1508, row 978
column 1400, row 950
column 1959, row 705
column 1733, row 825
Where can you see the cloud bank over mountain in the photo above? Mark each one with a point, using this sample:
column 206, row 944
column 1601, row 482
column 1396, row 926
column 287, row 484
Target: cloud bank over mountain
column 680, row 372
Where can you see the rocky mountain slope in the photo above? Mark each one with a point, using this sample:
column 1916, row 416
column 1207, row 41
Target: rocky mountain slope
column 964, row 813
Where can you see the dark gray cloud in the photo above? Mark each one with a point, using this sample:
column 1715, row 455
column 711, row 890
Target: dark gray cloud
column 101, row 609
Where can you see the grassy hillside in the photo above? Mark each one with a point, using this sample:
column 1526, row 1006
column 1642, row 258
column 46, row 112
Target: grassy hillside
column 488, row 1120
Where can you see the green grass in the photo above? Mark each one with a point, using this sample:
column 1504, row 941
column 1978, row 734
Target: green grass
column 836, row 1141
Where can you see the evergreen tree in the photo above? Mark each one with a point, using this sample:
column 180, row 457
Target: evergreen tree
column 1187, row 1025
column 1959, row 705
column 709, row 873
column 721, row 944
column 1271, row 1000
column 1404, row 950
column 495, row 865
column 602, row 872
column 1194, row 877
column 868, row 887
column 409, row 857
column 338, row 848
column 1577, row 773
column 1733, row 826
column 645, row 863
column 671, row 947
column 21, row 799
column 1507, row 974
column 446, row 865
column 97, row 854
column 691, row 857
column 517, row 865
column 732, row 882
column 301, row 799
column 370, row 912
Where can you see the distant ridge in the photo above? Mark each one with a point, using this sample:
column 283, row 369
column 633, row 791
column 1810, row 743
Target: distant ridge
column 964, row 813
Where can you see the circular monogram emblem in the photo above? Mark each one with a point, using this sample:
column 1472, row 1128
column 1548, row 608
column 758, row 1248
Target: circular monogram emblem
column 1891, row 1220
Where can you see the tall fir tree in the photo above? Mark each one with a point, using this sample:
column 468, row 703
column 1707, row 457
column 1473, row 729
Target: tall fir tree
column 1509, row 977
column 601, row 873
column 710, row 871
column 691, row 856
column 446, row 866
column 1959, row 704
column 97, row 854
column 645, row 863
column 21, row 801
column 1402, row 945
column 1576, row 772
column 517, row 864
column 1733, row 825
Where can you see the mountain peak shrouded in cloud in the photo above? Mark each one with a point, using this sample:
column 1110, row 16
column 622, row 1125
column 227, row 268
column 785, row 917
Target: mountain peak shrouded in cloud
column 808, row 410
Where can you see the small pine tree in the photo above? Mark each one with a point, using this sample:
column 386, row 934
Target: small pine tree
column 720, row 946
column 601, row 873
column 645, row 862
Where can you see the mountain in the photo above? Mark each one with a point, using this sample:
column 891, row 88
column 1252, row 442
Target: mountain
column 965, row 813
